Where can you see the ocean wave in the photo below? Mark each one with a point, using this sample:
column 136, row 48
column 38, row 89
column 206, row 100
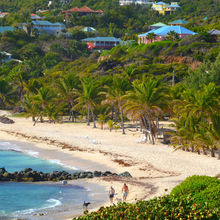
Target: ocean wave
column 50, row 203
column 14, row 147
column 53, row 203
column 9, row 146
column 62, row 164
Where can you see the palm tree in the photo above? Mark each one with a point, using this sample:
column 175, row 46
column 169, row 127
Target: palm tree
column 88, row 97
column 172, row 35
column 199, row 110
column 114, row 95
column 42, row 99
column 151, row 37
column 146, row 101
column 66, row 87
column 31, row 106
column 4, row 89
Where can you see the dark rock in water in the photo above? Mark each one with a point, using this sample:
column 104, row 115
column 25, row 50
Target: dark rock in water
column 6, row 120
column 2, row 170
column 29, row 175
column 27, row 170
column 97, row 173
column 89, row 175
column 83, row 175
column 125, row 174
column 108, row 173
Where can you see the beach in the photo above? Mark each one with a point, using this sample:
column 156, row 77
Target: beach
column 155, row 169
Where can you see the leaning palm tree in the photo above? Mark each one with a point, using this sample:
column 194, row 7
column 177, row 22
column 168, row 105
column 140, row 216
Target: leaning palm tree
column 114, row 95
column 146, row 101
column 88, row 97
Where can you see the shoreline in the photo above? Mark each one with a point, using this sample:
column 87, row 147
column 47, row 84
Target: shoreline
column 154, row 167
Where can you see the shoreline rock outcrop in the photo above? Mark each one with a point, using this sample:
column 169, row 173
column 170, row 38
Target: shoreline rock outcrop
column 30, row 175
column 6, row 120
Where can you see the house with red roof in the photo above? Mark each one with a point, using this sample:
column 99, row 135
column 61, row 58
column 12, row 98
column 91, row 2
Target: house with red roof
column 81, row 11
column 3, row 14
column 35, row 17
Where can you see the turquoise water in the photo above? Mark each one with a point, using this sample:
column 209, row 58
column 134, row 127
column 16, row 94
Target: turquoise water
column 18, row 199
column 17, row 161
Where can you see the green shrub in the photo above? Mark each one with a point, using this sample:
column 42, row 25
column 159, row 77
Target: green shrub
column 182, row 203
column 166, row 207
column 203, row 189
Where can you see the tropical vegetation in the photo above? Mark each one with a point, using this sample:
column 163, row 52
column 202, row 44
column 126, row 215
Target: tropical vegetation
column 195, row 198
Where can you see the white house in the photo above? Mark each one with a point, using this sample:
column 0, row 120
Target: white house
column 140, row 2
column 7, row 57
column 46, row 27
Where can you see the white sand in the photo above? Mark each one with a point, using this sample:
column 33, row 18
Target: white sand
column 154, row 167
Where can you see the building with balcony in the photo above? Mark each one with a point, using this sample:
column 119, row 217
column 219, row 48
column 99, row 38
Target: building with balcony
column 102, row 43
column 163, row 32
column 46, row 27
column 165, row 8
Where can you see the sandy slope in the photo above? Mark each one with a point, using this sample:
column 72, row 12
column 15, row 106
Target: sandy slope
column 154, row 167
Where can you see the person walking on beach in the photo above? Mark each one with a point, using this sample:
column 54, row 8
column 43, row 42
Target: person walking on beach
column 125, row 192
column 111, row 194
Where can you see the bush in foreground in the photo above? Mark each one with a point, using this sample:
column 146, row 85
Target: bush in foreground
column 179, row 204
column 204, row 190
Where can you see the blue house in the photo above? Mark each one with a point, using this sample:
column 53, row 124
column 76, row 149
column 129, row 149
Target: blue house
column 102, row 42
column 162, row 33
column 6, row 28
column 46, row 27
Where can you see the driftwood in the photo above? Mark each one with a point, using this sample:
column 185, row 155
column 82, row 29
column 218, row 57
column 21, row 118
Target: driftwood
column 6, row 120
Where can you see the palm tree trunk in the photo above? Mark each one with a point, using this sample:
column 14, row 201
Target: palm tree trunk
column 88, row 117
column 122, row 119
column 41, row 119
column 151, row 129
column 157, row 123
column 146, row 127
column 136, row 125
column 93, row 118
column 212, row 151
column 204, row 151
column 33, row 118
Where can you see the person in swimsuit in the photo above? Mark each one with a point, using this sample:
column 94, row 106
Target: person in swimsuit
column 125, row 192
column 111, row 194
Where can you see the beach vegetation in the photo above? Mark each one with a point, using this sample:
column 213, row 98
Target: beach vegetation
column 186, row 201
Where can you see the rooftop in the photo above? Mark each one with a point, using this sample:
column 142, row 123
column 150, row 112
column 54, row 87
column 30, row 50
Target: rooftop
column 84, row 9
column 179, row 21
column 214, row 32
column 34, row 16
column 165, row 30
column 108, row 39
column 88, row 29
column 46, row 23
column 6, row 28
column 158, row 25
